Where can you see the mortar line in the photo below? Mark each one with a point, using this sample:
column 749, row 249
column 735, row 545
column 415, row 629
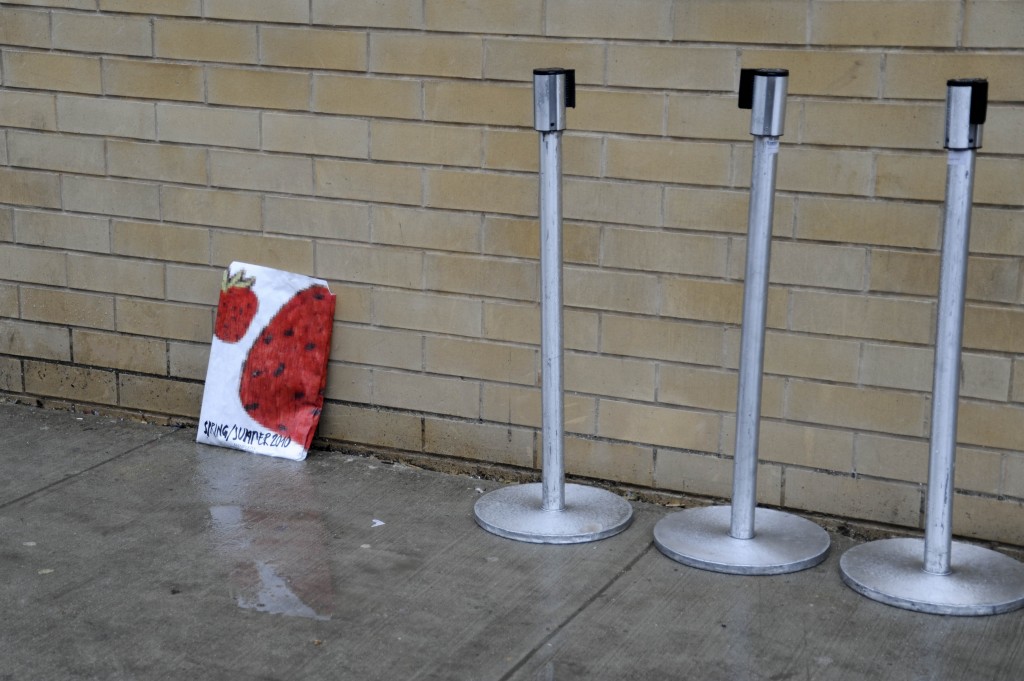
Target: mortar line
column 575, row 613
column 72, row 476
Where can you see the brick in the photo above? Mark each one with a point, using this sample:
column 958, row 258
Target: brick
column 885, row 223
column 517, row 150
column 505, row 58
column 427, row 312
column 427, row 229
column 153, row 80
column 11, row 379
column 923, row 75
column 115, row 351
column 26, row 28
column 370, row 265
column 716, row 21
column 885, row 22
column 521, row 324
column 6, row 224
column 1017, row 389
column 987, row 518
column 677, row 67
column 481, row 276
column 111, row 117
column 261, row 172
column 610, row 376
column 160, row 395
column 1007, row 125
column 49, row 71
column 476, row 359
column 665, row 161
column 888, row 125
column 28, row 188
column 787, row 354
column 662, row 339
column 171, row 321
column 720, row 211
column 28, row 110
column 792, row 262
column 395, row 14
column 278, row 11
column 210, row 207
column 68, row 4
column 316, row 218
column 854, row 497
column 988, row 279
column 478, row 103
column 993, row 328
column 319, row 135
column 111, row 197
column 33, row 265
column 425, row 54
column 887, row 411
column 431, row 394
column 202, row 125
column 55, row 152
column 711, row 476
column 371, row 426
column 856, row 316
column 817, row 170
column 690, row 386
column 604, row 110
column 802, row 445
column 258, row 89
column 105, row 33
column 603, row 290
column 884, row 456
column 116, row 275
column 363, row 96
column 999, row 181
column 205, row 41
column 650, row 251
column 184, row 8
column 354, row 303
column 70, row 383
column 349, row 384
column 514, row 237
column 629, row 19
column 292, row 255
column 490, row 192
column 985, row 377
column 520, row 405
column 426, row 143
column 904, row 176
column 187, row 284
column 34, row 340
column 828, row 73
column 495, row 444
column 377, row 347
column 718, row 301
column 485, row 16
column 1013, row 482
column 368, row 181
column 167, row 162
column 609, row 461
column 188, row 360
column 646, row 424
column 313, row 48
column 711, row 117
column 992, row 24
column 624, row 203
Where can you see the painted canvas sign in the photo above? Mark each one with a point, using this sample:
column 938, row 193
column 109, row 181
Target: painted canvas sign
column 268, row 362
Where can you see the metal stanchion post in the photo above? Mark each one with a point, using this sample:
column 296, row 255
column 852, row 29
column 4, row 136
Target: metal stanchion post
column 552, row 512
column 741, row 538
column 953, row 578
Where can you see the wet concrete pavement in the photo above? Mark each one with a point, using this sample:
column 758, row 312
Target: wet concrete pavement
column 127, row 551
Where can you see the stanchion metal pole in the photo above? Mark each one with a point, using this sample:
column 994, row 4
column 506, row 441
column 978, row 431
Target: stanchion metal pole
column 953, row 578
column 552, row 512
column 741, row 538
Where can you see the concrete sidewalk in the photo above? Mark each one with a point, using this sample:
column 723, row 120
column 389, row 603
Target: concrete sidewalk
column 129, row 552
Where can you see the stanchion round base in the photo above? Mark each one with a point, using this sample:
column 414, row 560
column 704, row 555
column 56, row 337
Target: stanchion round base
column 891, row 571
column 699, row 537
column 590, row 514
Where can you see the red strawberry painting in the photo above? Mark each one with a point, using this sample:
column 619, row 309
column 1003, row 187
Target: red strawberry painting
column 236, row 308
column 284, row 374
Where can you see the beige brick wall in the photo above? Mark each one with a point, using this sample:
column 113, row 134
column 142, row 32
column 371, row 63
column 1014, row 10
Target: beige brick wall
column 387, row 147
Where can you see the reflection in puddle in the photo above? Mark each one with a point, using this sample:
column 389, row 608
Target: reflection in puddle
column 277, row 554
